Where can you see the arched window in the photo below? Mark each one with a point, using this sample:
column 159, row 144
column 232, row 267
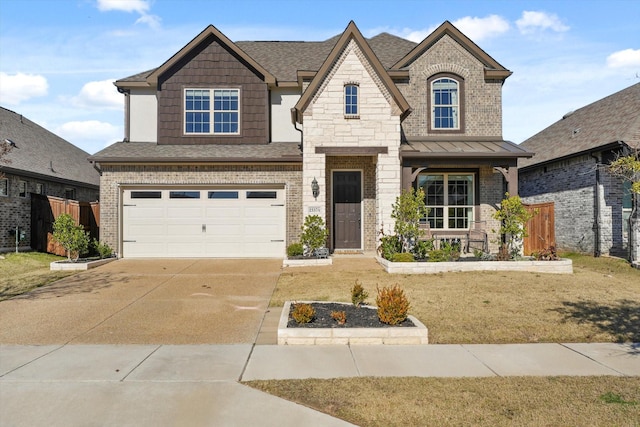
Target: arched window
column 445, row 104
column 351, row 100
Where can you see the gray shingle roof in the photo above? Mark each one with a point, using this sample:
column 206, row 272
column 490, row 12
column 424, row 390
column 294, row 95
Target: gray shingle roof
column 284, row 58
column 152, row 152
column 611, row 119
column 43, row 153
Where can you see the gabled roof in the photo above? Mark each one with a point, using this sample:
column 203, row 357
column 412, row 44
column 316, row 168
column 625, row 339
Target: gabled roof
column 493, row 70
column 609, row 121
column 208, row 32
column 350, row 33
column 42, row 154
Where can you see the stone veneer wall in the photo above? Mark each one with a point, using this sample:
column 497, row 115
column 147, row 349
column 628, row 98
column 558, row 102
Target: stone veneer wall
column 482, row 98
column 569, row 184
column 17, row 210
column 162, row 175
column 378, row 125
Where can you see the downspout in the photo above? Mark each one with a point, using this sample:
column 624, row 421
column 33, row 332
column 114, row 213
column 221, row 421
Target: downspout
column 294, row 117
column 596, row 210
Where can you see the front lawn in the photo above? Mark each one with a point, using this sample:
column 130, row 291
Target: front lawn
column 600, row 302
column 25, row 271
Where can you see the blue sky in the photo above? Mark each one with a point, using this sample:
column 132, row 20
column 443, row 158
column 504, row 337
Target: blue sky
column 58, row 58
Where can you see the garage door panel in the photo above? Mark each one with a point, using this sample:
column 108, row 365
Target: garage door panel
column 217, row 227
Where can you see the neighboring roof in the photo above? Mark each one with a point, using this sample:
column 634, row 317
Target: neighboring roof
column 350, row 33
column 40, row 153
column 472, row 148
column 137, row 152
column 613, row 119
column 283, row 59
column 492, row 68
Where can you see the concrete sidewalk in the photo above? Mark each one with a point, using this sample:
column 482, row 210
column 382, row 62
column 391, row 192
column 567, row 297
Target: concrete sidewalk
column 198, row 384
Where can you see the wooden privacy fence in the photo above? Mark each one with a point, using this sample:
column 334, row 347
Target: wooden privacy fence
column 45, row 210
column 541, row 228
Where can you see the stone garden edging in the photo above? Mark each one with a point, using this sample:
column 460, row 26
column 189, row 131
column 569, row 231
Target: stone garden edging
column 71, row 266
column 561, row 266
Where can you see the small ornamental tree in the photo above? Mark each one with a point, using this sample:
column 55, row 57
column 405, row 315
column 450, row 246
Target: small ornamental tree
column 408, row 210
column 628, row 168
column 72, row 237
column 512, row 216
column 314, row 234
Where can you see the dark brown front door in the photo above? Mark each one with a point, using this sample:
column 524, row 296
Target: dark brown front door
column 347, row 196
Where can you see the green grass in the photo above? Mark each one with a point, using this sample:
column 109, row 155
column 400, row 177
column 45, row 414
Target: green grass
column 25, row 271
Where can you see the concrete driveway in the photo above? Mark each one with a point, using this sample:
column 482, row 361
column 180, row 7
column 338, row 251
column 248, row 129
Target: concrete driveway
column 168, row 301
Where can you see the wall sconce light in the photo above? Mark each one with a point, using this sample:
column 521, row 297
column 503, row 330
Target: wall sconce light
column 315, row 188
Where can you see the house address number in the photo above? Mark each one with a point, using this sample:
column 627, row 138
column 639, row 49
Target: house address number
column 315, row 209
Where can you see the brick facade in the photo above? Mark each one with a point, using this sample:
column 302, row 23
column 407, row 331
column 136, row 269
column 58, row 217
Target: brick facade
column 570, row 184
column 113, row 176
column 16, row 210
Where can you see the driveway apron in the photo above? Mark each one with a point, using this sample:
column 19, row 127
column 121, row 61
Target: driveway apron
column 168, row 301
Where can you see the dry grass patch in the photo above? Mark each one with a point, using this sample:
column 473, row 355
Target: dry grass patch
column 600, row 302
column 522, row 401
column 25, row 271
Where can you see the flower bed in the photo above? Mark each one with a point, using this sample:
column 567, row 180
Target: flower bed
column 561, row 266
column 387, row 334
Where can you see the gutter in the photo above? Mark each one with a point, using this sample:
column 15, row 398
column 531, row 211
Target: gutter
column 597, row 250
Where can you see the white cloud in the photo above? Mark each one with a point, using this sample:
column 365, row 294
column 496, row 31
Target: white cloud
column 624, row 59
column 140, row 6
column 153, row 21
column 482, row 28
column 99, row 94
column 90, row 135
column 15, row 88
column 532, row 22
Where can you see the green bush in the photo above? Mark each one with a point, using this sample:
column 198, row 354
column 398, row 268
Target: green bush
column 393, row 305
column 102, row 249
column 295, row 249
column 303, row 313
column 389, row 245
column 72, row 237
column 358, row 294
column 407, row 211
column 402, row 257
column 421, row 248
column 314, row 234
column 447, row 252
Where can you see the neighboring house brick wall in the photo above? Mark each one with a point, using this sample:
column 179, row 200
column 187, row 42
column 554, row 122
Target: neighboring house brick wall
column 17, row 210
column 482, row 98
column 113, row 175
column 212, row 67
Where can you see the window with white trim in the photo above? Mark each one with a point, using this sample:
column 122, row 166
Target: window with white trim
column 445, row 104
column 4, row 187
column 22, row 189
column 351, row 100
column 204, row 117
column 449, row 198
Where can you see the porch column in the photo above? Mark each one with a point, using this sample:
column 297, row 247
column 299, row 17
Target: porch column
column 388, row 185
column 313, row 167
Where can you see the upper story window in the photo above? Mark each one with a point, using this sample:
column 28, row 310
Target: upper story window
column 22, row 189
column 445, row 100
column 4, row 187
column 203, row 117
column 39, row 188
column 351, row 100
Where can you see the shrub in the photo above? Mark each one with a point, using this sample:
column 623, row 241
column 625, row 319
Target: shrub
column 403, row 257
column 103, row 249
column 407, row 212
column 421, row 248
column 303, row 313
column 339, row 316
column 295, row 249
column 314, row 234
column 393, row 305
column 389, row 245
column 72, row 237
column 548, row 254
column 447, row 252
column 358, row 294
column 513, row 216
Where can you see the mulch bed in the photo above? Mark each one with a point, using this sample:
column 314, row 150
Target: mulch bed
column 363, row 317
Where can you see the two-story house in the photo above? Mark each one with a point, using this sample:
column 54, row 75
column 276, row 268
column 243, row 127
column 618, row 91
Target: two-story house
column 229, row 146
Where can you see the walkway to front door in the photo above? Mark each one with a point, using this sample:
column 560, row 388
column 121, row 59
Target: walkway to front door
column 347, row 199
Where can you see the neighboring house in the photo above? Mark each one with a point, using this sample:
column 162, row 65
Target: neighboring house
column 569, row 168
column 229, row 146
column 39, row 162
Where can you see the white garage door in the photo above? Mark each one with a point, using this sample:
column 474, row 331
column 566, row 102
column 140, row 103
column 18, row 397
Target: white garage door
column 224, row 223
